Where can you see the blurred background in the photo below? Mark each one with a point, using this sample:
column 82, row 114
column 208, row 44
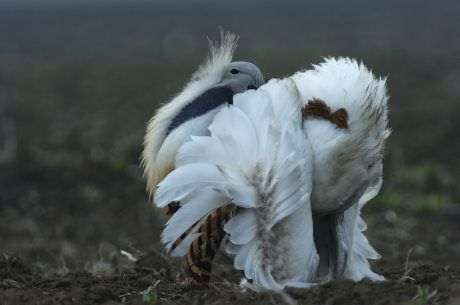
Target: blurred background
column 80, row 79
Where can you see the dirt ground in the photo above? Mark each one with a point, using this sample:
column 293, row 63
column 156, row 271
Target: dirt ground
column 62, row 243
column 421, row 284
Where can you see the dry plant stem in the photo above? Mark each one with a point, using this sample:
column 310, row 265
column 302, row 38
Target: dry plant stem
column 406, row 268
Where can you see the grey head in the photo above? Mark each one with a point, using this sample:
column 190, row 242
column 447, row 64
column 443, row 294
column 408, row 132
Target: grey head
column 238, row 77
column 241, row 76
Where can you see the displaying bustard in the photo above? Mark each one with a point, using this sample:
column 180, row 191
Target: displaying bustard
column 281, row 174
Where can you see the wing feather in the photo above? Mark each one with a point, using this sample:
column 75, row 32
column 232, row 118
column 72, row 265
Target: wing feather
column 260, row 161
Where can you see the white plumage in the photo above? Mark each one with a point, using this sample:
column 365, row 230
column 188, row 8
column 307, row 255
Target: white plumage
column 348, row 162
column 158, row 158
column 258, row 160
column 345, row 158
column 297, row 184
column 161, row 143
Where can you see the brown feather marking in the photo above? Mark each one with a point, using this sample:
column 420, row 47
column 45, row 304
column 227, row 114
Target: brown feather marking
column 200, row 266
column 172, row 208
column 208, row 227
column 201, row 241
column 319, row 109
column 195, row 247
column 203, row 249
column 340, row 118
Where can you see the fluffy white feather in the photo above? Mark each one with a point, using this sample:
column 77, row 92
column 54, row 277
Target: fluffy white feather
column 258, row 159
column 158, row 162
column 277, row 170
column 344, row 158
column 348, row 162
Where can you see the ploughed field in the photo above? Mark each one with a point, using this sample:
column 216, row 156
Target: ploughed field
column 89, row 236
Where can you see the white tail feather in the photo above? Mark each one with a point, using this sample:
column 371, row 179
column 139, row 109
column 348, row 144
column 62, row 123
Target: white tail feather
column 192, row 210
column 260, row 161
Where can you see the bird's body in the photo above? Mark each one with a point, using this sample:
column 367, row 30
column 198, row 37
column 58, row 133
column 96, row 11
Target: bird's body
column 350, row 156
column 348, row 160
column 192, row 110
column 255, row 160
column 189, row 114
column 280, row 172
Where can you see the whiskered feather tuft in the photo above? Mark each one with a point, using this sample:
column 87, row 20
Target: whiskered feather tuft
column 158, row 163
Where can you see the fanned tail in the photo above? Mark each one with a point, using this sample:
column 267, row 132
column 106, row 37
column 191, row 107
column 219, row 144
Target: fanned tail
column 258, row 159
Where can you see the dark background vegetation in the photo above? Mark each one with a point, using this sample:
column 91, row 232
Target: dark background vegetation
column 79, row 81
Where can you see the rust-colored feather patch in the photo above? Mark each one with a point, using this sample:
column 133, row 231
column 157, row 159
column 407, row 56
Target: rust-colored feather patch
column 319, row 109
column 340, row 118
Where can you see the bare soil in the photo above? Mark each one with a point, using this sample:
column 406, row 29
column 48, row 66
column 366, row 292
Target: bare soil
column 423, row 284
column 64, row 231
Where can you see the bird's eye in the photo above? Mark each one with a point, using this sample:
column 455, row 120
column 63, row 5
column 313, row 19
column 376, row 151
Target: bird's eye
column 252, row 87
column 234, row 71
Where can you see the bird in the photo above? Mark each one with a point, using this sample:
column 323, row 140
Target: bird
column 289, row 166
column 346, row 119
column 255, row 165
column 190, row 113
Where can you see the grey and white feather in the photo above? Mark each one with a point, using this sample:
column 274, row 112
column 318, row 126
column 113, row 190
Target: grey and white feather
column 256, row 158
column 192, row 110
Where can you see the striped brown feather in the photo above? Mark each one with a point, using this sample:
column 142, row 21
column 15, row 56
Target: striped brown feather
column 204, row 248
column 212, row 229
